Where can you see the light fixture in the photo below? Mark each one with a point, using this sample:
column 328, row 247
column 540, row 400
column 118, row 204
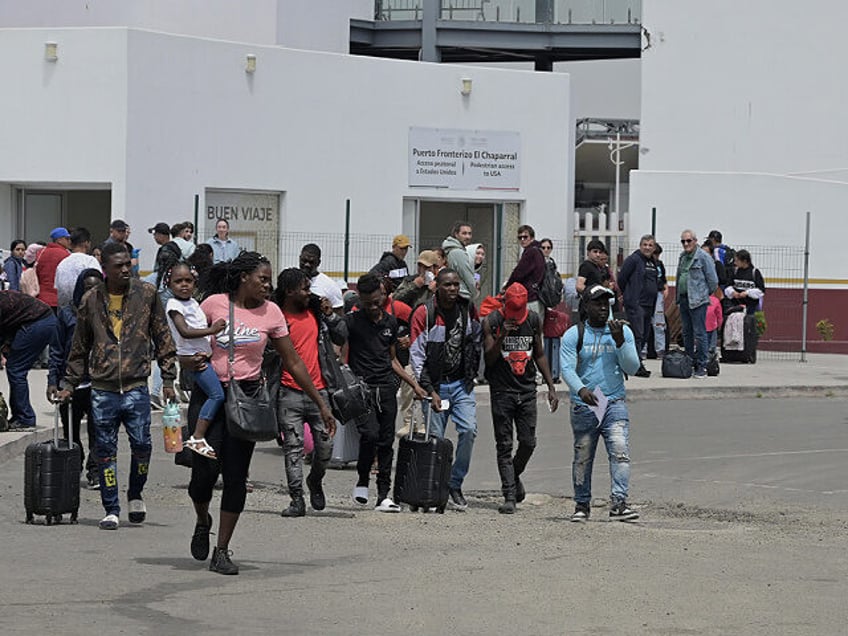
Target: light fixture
column 466, row 86
column 51, row 51
column 250, row 63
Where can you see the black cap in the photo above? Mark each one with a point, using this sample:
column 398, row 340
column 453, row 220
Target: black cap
column 160, row 228
column 119, row 225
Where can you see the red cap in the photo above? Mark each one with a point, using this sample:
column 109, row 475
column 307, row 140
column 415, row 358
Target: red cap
column 515, row 303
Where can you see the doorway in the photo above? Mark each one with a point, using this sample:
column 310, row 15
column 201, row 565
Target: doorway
column 39, row 211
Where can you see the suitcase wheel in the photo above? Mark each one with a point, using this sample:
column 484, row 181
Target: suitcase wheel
column 413, row 509
column 441, row 510
column 74, row 517
column 57, row 518
column 29, row 518
column 48, row 520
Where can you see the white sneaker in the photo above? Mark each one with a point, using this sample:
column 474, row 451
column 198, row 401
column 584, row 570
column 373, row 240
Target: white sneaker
column 109, row 522
column 387, row 505
column 138, row 511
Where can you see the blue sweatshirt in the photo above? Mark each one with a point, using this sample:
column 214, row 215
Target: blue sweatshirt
column 601, row 362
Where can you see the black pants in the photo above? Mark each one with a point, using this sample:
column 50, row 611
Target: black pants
column 519, row 411
column 641, row 323
column 377, row 432
column 80, row 407
column 233, row 461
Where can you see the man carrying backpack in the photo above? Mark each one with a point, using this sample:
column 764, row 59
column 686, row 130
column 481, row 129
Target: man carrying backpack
column 512, row 342
column 722, row 253
column 594, row 357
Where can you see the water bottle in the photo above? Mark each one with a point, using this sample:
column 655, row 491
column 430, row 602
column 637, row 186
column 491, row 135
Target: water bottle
column 171, row 428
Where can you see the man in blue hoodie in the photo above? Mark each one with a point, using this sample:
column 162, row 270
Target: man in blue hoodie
column 594, row 357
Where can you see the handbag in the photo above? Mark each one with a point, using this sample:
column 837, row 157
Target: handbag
column 249, row 417
column 556, row 323
column 676, row 364
column 350, row 395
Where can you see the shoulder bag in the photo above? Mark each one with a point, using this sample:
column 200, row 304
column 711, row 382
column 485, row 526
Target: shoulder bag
column 249, row 417
column 350, row 395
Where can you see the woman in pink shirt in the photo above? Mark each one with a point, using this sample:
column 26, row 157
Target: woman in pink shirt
column 714, row 319
column 247, row 282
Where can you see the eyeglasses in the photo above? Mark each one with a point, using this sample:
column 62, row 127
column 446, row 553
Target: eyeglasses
column 546, row 247
column 687, row 241
column 523, row 237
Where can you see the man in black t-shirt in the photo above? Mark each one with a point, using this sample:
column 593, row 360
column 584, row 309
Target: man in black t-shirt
column 512, row 343
column 591, row 271
column 372, row 337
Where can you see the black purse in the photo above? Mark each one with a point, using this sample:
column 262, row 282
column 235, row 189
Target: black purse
column 249, row 417
column 350, row 395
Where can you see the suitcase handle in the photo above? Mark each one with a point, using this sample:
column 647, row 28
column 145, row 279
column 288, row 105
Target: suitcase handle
column 429, row 411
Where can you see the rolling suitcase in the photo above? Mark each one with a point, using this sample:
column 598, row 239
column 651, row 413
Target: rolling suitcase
column 423, row 470
column 345, row 446
column 750, row 340
column 52, row 478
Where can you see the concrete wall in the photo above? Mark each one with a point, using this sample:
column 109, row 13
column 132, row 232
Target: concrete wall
column 164, row 117
column 605, row 88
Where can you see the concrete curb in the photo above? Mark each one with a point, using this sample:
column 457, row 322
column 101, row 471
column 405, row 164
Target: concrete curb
column 725, row 392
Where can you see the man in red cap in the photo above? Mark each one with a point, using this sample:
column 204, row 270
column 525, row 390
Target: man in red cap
column 513, row 349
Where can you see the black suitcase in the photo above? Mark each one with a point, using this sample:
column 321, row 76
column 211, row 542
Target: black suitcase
column 52, row 478
column 422, row 474
column 750, row 340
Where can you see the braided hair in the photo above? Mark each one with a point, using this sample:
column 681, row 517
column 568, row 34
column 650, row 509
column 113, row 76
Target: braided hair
column 289, row 280
column 166, row 279
column 225, row 278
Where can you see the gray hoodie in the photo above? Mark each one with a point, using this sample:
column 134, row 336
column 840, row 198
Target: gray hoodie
column 459, row 260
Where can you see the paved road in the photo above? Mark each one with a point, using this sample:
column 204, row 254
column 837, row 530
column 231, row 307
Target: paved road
column 743, row 532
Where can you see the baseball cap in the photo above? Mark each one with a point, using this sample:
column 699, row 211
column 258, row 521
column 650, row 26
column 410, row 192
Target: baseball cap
column 515, row 303
column 58, row 233
column 428, row 258
column 597, row 291
column 401, row 240
column 119, row 225
column 160, row 228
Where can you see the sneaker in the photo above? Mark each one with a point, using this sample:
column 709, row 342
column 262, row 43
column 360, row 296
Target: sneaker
column 620, row 512
column 221, row 562
column 699, row 374
column 297, row 508
column 109, row 522
column 520, row 493
column 21, row 426
column 316, row 494
column 387, row 505
column 457, row 501
column 138, row 511
column 507, row 507
column 581, row 513
column 155, row 403
column 642, row 372
column 200, row 540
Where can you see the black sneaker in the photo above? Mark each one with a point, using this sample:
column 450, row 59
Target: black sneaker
column 297, row 508
column 520, row 493
column 507, row 507
column 457, row 501
column 642, row 372
column 200, row 540
column 620, row 512
column 581, row 513
column 316, row 494
column 221, row 562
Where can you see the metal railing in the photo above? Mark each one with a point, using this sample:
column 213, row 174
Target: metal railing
column 518, row 11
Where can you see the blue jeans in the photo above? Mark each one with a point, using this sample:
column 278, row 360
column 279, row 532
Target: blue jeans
column 208, row 381
column 463, row 412
column 552, row 354
column 28, row 343
column 615, row 430
column 694, row 331
column 110, row 410
column 659, row 325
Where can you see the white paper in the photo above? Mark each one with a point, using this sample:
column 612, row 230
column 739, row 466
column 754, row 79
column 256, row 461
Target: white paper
column 601, row 408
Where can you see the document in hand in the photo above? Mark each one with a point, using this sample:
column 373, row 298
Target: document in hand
column 601, row 407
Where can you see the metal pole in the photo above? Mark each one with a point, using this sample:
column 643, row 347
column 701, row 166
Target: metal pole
column 806, row 301
column 347, row 240
column 617, row 171
column 196, row 217
column 654, row 222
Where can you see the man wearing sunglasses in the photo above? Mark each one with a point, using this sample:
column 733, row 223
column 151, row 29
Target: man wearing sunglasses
column 696, row 281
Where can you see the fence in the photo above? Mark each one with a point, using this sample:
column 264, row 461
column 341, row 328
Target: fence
column 518, row 11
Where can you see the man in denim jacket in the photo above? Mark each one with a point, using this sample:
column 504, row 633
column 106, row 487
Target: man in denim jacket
column 696, row 281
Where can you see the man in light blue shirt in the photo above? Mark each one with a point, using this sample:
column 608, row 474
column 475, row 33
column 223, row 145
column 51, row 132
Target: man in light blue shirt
column 594, row 357
column 224, row 249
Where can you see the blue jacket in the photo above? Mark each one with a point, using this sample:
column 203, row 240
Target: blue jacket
column 703, row 279
column 13, row 267
column 600, row 363
column 631, row 281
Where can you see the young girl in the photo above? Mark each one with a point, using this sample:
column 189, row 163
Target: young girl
column 191, row 335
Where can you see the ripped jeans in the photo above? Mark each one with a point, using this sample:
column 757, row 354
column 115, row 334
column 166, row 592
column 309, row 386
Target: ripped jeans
column 615, row 430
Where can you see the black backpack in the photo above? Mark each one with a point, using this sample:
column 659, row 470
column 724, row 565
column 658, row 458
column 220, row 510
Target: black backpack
column 551, row 287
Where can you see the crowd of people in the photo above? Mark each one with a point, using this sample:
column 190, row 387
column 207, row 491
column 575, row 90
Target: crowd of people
column 220, row 315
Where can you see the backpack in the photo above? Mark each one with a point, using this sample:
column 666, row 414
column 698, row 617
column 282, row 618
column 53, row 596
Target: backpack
column 550, row 289
column 29, row 282
column 490, row 304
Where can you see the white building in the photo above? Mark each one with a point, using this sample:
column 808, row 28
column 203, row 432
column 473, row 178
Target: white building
column 123, row 121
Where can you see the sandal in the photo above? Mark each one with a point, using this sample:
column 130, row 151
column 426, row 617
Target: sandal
column 360, row 495
column 200, row 446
